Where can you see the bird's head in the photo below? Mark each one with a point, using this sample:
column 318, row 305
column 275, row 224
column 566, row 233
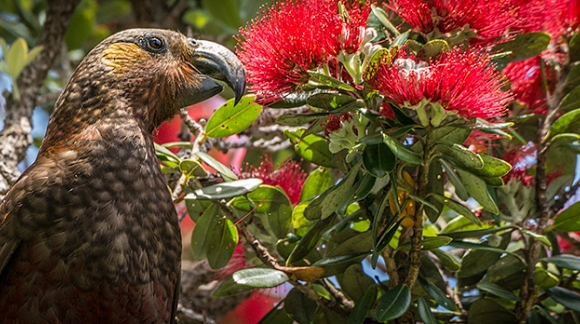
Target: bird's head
column 152, row 73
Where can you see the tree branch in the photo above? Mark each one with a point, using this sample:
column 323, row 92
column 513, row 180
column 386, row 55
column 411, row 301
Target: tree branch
column 15, row 137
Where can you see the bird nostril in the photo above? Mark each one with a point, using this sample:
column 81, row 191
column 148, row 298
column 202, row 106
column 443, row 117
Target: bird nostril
column 192, row 42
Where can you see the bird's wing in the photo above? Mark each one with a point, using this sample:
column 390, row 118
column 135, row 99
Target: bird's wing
column 176, row 298
column 7, row 247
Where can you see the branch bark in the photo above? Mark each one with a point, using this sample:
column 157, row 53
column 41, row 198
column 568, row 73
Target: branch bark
column 528, row 292
column 15, row 137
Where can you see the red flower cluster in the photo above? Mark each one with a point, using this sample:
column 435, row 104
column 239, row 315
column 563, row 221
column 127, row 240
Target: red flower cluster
column 292, row 37
column 462, row 82
column 289, row 176
column 490, row 20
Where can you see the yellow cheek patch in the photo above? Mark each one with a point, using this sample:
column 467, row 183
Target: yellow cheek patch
column 121, row 56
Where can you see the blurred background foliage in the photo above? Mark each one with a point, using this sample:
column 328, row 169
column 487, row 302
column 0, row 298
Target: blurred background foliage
column 95, row 20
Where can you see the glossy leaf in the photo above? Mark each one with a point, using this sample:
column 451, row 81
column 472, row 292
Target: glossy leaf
column 378, row 160
column 276, row 316
column 459, row 208
column 297, row 119
column 440, row 297
column 225, row 190
column 477, row 188
column 221, row 242
column 317, row 182
column 567, row 261
column 497, row 291
column 448, row 261
column 492, row 167
column 524, row 46
column 329, row 101
column 483, row 310
column 460, row 190
column 300, row 307
column 400, row 151
column 565, row 297
column 545, row 279
column 203, row 227
column 329, row 81
column 571, row 101
column 425, row 311
column 260, row 277
column 435, row 185
column 461, row 156
column 568, row 220
column 309, row 241
column 226, row 173
column 355, row 282
column 230, row 119
column 574, row 48
column 229, row 287
column 394, row 303
column 363, row 306
column 433, row 48
column 326, row 204
column 272, row 205
column 192, row 168
column 312, row 147
column 566, row 123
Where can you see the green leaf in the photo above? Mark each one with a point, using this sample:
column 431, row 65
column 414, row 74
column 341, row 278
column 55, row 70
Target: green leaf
column 448, row 261
column 459, row 208
column 15, row 57
column 192, row 168
column 537, row 237
column 300, row 307
column 567, row 261
column 226, row 173
column 355, row 282
column 565, row 297
column 276, row 316
column 297, row 119
column 317, row 182
column 400, row 151
column 384, row 19
column 433, row 48
column 272, row 205
column 545, row 279
column 378, row 160
column 260, row 277
column 329, row 101
column 221, row 242
column 477, row 188
column 225, row 190
column 523, row 46
column 497, row 290
column 394, row 303
column 166, row 155
column 326, row 204
column 571, row 101
column 440, row 297
column 573, row 79
column 567, row 123
column 312, row 147
column 450, row 134
column 574, row 48
column 363, row 306
column 230, row 119
column 435, row 185
column 460, row 190
column 461, row 156
column 568, row 220
column 323, row 79
column 425, row 312
column 204, row 224
column 435, row 242
column 492, row 167
column 482, row 310
column 229, row 287
column 309, row 241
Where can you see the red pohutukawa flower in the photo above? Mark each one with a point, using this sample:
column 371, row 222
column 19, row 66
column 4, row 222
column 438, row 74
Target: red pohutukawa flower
column 488, row 19
column 291, row 37
column 526, row 83
column 289, row 176
column 459, row 81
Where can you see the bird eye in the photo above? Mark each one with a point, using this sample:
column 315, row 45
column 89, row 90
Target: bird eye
column 155, row 44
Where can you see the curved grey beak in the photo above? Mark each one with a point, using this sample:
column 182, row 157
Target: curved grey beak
column 218, row 62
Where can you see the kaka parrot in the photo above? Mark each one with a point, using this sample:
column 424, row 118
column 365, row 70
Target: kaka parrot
column 89, row 233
